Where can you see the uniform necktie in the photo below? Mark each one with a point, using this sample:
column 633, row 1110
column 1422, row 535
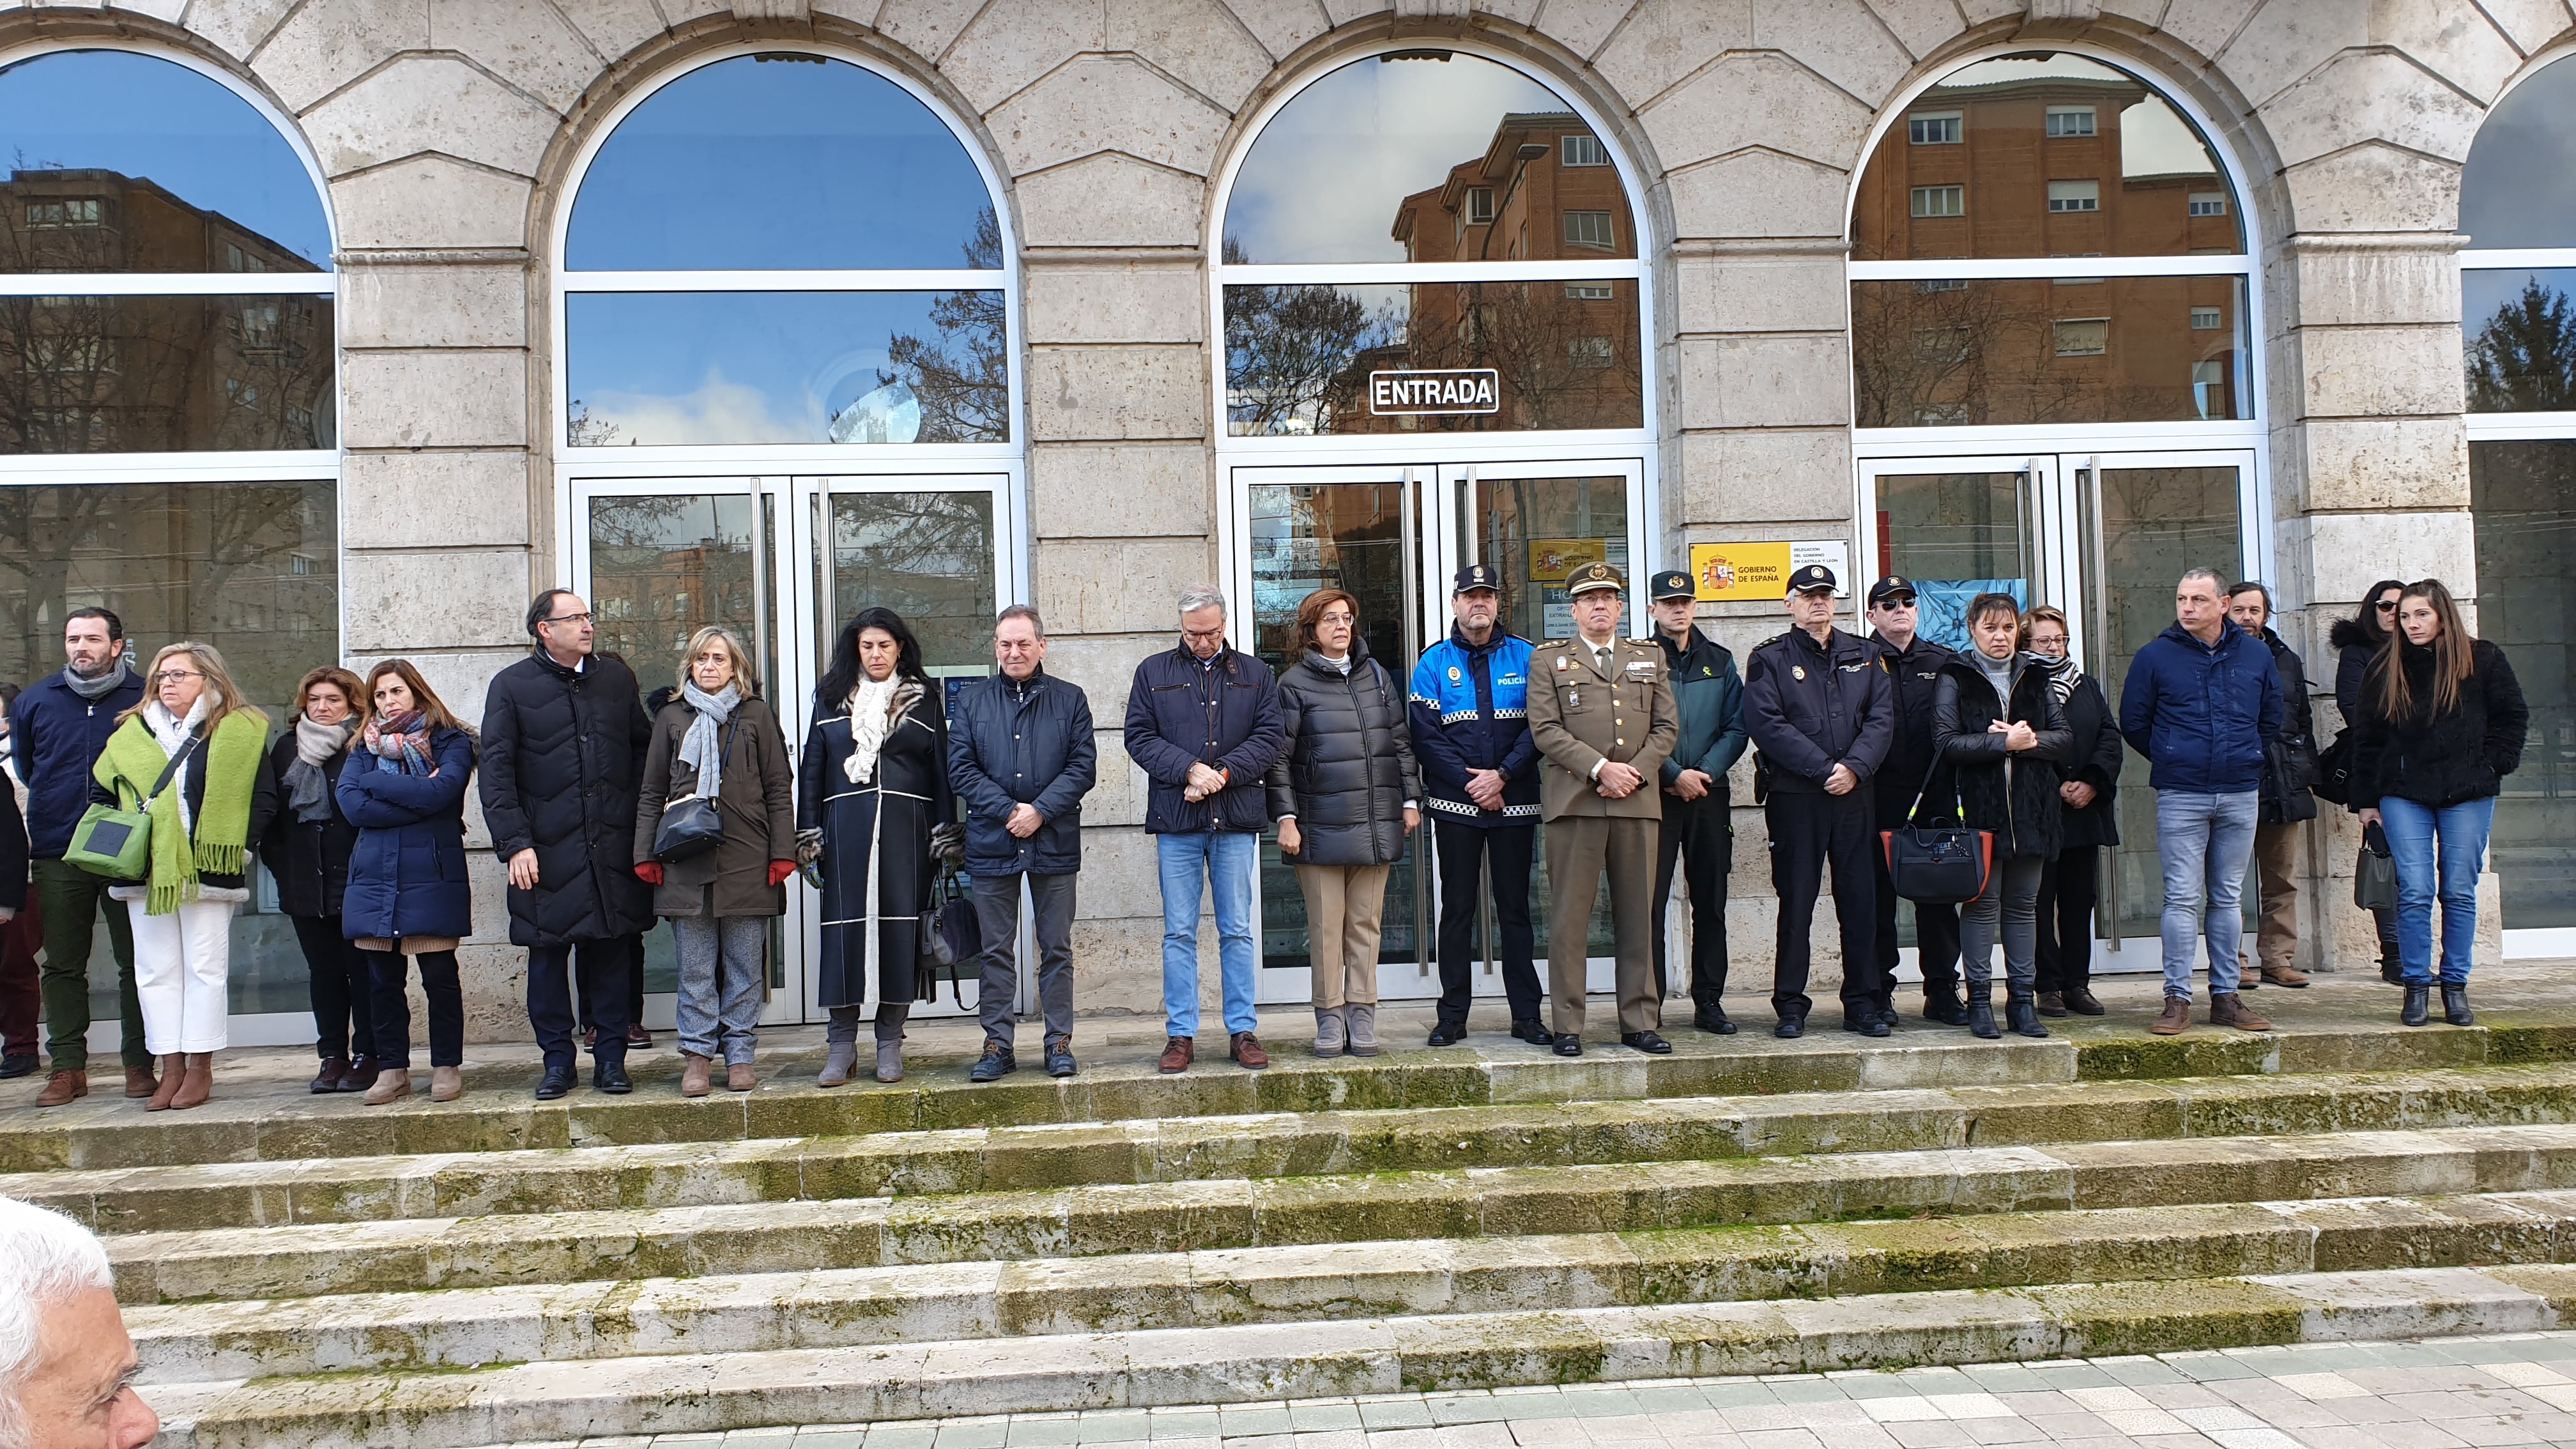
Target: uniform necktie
column 1603, row 654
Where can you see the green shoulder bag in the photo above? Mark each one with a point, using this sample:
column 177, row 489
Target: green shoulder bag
column 116, row 842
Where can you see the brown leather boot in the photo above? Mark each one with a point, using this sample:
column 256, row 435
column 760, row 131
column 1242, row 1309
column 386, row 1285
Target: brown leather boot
column 2177, row 1017
column 63, row 1087
column 1177, row 1052
column 2231, row 1010
column 140, row 1083
column 2290, row 976
column 693, row 1075
column 174, row 1075
column 1247, row 1053
column 200, row 1082
column 739, row 1077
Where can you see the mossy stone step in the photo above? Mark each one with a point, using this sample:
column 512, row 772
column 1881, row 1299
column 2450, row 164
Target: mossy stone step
column 362, row 1189
column 1337, row 1282
column 712, row 1392
column 297, row 1261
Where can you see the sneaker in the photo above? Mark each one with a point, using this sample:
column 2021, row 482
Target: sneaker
column 2231, row 1010
column 1059, row 1057
column 2176, row 1019
column 997, row 1062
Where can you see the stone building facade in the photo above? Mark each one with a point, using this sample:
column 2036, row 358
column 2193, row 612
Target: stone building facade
column 1089, row 466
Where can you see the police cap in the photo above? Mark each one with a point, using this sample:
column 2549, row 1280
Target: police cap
column 1476, row 576
column 1891, row 587
column 1812, row 578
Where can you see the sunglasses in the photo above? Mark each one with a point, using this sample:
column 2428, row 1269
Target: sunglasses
column 2386, row 606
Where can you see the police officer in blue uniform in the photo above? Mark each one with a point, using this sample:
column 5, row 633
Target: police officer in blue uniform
column 1818, row 707
column 1469, row 706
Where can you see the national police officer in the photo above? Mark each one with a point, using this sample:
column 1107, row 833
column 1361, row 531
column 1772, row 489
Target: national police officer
column 1470, row 715
column 1913, row 664
column 1601, row 712
column 1818, row 707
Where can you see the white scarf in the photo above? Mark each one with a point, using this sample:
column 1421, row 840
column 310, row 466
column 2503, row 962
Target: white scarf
column 173, row 734
column 870, row 704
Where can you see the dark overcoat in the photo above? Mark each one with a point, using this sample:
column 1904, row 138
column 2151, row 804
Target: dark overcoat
column 309, row 859
column 562, row 754
column 756, row 800
column 880, row 827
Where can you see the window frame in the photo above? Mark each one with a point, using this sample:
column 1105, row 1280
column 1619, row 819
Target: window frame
column 2092, row 124
column 1566, row 146
column 1957, row 128
column 1915, row 196
column 2077, row 203
column 2532, row 426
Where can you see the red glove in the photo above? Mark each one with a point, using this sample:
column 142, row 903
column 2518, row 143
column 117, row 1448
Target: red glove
column 649, row 872
column 780, row 870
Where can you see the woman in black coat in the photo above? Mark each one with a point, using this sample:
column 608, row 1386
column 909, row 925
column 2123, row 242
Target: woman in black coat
column 2442, row 723
column 2088, row 799
column 307, row 854
column 1996, row 721
column 1346, row 794
column 2356, row 642
column 871, row 787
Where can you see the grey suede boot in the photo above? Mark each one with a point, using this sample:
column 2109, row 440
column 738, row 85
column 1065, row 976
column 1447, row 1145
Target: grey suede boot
column 1362, row 1017
column 890, row 1060
column 1328, row 1031
column 841, row 1060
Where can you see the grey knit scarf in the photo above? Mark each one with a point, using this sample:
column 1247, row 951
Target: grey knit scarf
column 703, row 746
column 101, row 687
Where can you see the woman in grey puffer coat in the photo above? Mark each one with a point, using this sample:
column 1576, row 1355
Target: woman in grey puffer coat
column 1344, row 794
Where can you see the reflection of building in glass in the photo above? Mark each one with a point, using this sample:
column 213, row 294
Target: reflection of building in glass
column 2064, row 166
column 151, row 374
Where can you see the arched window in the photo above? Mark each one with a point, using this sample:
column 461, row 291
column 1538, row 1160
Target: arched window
column 2043, row 238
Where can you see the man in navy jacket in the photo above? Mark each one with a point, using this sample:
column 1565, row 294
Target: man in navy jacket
column 1021, row 755
column 2203, row 703
column 1203, row 724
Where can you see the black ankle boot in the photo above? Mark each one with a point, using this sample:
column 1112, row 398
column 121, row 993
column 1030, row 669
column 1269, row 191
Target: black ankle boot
column 2455, row 1005
column 1981, row 1014
column 2418, row 1006
column 1943, row 1007
column 2021, row 1013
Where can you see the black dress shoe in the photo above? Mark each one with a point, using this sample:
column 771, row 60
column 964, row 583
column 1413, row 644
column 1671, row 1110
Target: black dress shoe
column 1878, row 1023
column 610, row 1077
column 1446, row 1034
column 1569, row 1045
column 558, row 1082
column 1948, row 1011
column 17, row 1064
column 1533, row 1031
column 1714, row 1022
column 1647, row 1042
column 1793, row 1025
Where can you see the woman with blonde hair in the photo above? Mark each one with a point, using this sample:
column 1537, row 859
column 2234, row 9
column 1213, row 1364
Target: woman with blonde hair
column 719, row 741
column 408, row 895
column 193, row 727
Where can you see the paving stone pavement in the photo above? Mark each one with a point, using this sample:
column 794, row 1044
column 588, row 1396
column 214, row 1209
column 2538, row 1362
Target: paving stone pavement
column 2504, row 1390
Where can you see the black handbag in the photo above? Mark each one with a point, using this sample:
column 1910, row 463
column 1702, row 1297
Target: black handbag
column 2334, row 770
column 951, row 939
column 690, row 825
column 2374, row 874
column 1940, row 865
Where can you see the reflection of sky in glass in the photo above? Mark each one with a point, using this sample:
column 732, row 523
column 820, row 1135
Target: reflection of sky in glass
column 2155, row 140
column 2520, row 186
column 1323, row 181
column 139, row 115
column 765, row 164
column 730, row 367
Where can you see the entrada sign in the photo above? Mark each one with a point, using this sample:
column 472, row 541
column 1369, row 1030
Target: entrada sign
column 1434, row 392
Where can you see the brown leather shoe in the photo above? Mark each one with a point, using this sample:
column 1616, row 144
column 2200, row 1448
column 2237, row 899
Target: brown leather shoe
column 2052, row 1003
column 2231, row 1010
column 1177, row 1054
column 739, row 1077
column 2177, row 1017
column 63, row 1087
column 2290, row 976
column 1247, row 1053
column 140, row 1083
column 2082, row 1002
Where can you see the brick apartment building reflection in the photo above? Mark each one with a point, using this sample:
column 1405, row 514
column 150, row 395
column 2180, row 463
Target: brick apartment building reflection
column 2059, row 158
column 149, row 374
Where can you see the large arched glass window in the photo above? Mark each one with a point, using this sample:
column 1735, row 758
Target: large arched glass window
column 783, row 248
column 2518, row 313
column 2043, row 238
column 1425, row 220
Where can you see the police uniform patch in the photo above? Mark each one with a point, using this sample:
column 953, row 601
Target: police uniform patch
column 1561, row 664
column 1453, row 674
column 1797, row 671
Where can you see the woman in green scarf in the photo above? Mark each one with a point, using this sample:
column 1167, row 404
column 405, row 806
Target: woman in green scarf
column 220, row 796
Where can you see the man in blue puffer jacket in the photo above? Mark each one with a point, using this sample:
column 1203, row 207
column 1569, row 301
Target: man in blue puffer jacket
column 2203, row 703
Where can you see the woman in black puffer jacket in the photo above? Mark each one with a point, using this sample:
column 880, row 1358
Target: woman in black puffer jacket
column 1344, row 794
column 2356, row 642
column 2442, row 723
column 1996, row 720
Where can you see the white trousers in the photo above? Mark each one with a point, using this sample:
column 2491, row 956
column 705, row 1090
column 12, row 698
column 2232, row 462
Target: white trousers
column 182, row 962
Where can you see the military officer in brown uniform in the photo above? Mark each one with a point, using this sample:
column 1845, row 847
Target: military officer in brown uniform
column 1601, row 712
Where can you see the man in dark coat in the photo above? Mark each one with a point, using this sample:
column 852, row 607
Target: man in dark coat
column 2289, row 767
column 564, row 738
column 1913, row 664
column 1698, row 832
column 1021, row 755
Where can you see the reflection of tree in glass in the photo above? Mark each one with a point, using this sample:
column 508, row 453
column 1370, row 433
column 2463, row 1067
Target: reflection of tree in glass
column 585, row 431
column 963, row 378
column 1561, row 362
column 1289, row 353
column 661, row 566
column 928, row 557
column 2524, row 358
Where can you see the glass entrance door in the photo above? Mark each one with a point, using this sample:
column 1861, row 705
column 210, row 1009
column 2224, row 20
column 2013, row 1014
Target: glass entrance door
column 661, row 558
column 1393, row 535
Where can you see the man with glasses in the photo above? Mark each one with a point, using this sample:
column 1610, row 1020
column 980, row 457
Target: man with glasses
column 1913, row 664
column 564, row 736
column 57, row 727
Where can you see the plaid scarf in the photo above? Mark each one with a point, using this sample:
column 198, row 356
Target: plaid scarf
column 400, row 744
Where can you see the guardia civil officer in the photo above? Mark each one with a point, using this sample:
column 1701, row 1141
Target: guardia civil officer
column 1601, row 711
column 1469, row 707
column 1819, row 708
column 1913, row 664
column 1697, row 833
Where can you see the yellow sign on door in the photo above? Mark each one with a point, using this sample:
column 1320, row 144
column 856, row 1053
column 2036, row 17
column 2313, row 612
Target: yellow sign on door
column 1551, row 559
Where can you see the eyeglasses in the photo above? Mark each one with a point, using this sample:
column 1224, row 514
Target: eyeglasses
column 173, row 676
column 567, row 619
column 1203, row 634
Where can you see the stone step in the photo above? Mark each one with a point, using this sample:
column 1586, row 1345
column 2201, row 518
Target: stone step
column 279, row 1124
column 1337, row 1282
column 1272, row 1145
column 703, row 1393
column 592, row 1245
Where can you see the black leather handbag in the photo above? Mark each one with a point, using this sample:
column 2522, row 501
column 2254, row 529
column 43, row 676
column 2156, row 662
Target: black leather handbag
column 2334, row 770
column 951, row 940
column 690, row 825
column 2374, row 874
column 1938, row 865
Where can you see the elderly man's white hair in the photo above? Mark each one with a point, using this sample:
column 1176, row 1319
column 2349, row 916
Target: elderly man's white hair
column 45, row 1259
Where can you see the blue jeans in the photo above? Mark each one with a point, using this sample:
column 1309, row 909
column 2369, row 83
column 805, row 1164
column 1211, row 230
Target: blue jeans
column 1226, row 861
column 2204, row 842
column 2447, row 867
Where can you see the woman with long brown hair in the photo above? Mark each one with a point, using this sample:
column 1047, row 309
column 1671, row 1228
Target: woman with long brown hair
column 306, row 851
column 193, row 728
column 2442, row 724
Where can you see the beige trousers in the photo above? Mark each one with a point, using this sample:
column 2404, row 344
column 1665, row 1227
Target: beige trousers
column 1579, row 848
column 1345, row 906
column 2276, row 859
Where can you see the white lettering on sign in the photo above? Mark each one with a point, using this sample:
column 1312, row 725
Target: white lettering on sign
column 1453, row 391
